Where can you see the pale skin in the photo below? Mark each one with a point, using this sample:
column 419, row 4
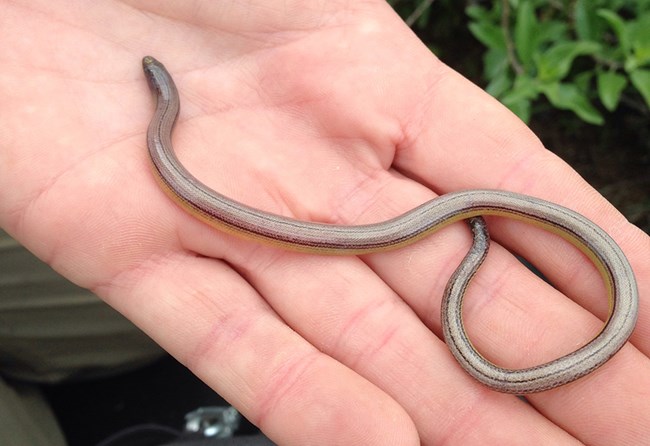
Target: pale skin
column 323, row 111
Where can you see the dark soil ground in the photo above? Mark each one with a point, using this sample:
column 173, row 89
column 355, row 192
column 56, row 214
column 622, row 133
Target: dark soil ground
column 615, row 159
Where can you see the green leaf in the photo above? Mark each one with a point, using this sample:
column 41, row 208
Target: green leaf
column 639, row 33
column 521, row 108
column 641, row 81
column 618, row 25
column 555, row 63
column 583, row 80
column 525, row 32
column 551, row 31
column 569, row 97
column 642, row 6
column 610, row 87
column 495, row 62
column 524, row 88
column 488, row 34
column 477, row 12
column 585, row 20
column 499, row 85
column 519, row 98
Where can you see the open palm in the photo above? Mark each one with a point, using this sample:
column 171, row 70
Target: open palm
column 323, row 111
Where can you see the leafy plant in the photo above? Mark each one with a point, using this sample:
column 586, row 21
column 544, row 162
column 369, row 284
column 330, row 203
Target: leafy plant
column 573, row 52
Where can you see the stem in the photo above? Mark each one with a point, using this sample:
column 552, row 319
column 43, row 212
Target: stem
column 415, row 15
column 510, row 46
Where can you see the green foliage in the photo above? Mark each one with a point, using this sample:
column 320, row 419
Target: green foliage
column 586, row 56
column 582, row 55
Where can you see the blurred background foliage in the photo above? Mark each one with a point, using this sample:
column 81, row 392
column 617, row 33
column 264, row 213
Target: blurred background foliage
column 577, row 71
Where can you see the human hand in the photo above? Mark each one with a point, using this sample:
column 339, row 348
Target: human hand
column 330, row 112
